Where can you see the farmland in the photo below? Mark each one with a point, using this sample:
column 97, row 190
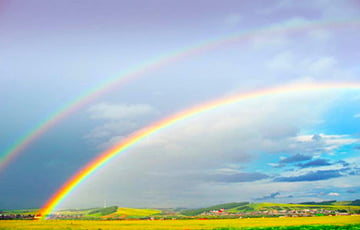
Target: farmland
column 232, row 210
column 321, row 222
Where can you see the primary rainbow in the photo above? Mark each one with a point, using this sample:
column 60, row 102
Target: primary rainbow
column 153, row 65
column 131, row 140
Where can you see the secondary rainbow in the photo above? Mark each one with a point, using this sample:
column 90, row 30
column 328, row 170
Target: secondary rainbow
column 16, row 148
column 131, row 140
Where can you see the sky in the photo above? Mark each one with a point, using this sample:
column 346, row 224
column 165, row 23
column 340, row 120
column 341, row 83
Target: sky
column 290, row 147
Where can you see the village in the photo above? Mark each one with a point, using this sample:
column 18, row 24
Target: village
column 279, row 213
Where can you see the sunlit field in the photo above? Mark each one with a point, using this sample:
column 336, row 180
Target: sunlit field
column 181, row 224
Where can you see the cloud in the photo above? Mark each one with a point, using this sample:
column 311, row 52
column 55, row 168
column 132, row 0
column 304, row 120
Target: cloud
column 282, row 62
column 279, row 40
column 323, row 64
column 310, row 65
column 271, row 196
column 316, row 137
column 295, row 158
column 239, row 177
column 312, row 176
column 357, row 115
column 111, row 111
column 117, row 121
column 315, row 163
column 324, row 9
column 324, row 143
column 344, row 163
column 333, row 194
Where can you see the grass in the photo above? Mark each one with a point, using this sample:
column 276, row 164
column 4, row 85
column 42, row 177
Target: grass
column 347, row 222
column 302, row 227
column 133, row 213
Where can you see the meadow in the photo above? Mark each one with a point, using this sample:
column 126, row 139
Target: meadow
column 328, row 222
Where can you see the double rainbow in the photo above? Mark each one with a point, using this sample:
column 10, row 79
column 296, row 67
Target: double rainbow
column 9, row 154
column 136, row 137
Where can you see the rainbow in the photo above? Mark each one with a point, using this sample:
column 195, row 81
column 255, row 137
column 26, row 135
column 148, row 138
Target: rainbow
column 16, row 148
column 136, row 137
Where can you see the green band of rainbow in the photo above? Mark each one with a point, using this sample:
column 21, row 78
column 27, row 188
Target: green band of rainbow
column 9, row 154
column 131, row 140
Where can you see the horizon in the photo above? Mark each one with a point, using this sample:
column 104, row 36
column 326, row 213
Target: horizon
column 165, row 208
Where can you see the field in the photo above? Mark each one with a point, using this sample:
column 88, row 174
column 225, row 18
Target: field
column 184, row 224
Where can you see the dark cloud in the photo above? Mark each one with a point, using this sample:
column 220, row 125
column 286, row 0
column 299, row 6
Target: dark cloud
column 315, row 163
column 316, row 137
column 351, row 190
column 344, row 163
column 271, row 196
column 312, row 176
column 240, row 177
column 295, row 158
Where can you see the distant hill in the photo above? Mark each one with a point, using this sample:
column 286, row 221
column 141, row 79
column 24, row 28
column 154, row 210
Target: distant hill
column 113, row 212
column 334, row 202
column 330, row 202
column 194, row 212
column 355, row 202
column 103, row 211
column 234, row 208
column 246, row 207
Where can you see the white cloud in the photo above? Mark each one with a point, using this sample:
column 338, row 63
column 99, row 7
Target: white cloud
column 324, row 9
column 333, row 194
column 280, row 40
column 325, row 143
column 317, row 67
column 323, row 64
column 112, row 111
column 282, row 61
column 118, row 121
column 295, row 21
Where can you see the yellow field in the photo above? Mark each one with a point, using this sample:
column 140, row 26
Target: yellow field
column 176, row 224
column 126, row 212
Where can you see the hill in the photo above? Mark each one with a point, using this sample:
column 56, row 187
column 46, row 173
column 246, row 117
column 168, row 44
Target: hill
column 227, row 210
column 113, row 212
column 275, row 209
column 195, row 212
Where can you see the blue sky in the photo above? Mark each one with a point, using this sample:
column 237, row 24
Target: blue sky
column 288, row 148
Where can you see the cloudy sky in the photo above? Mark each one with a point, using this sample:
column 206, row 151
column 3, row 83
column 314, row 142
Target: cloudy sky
column 291, row 147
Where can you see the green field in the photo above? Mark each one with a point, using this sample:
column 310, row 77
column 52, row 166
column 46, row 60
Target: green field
column 257, row 223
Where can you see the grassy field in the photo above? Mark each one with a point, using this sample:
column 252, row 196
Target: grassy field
column 132, row 213
column 181, row 224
